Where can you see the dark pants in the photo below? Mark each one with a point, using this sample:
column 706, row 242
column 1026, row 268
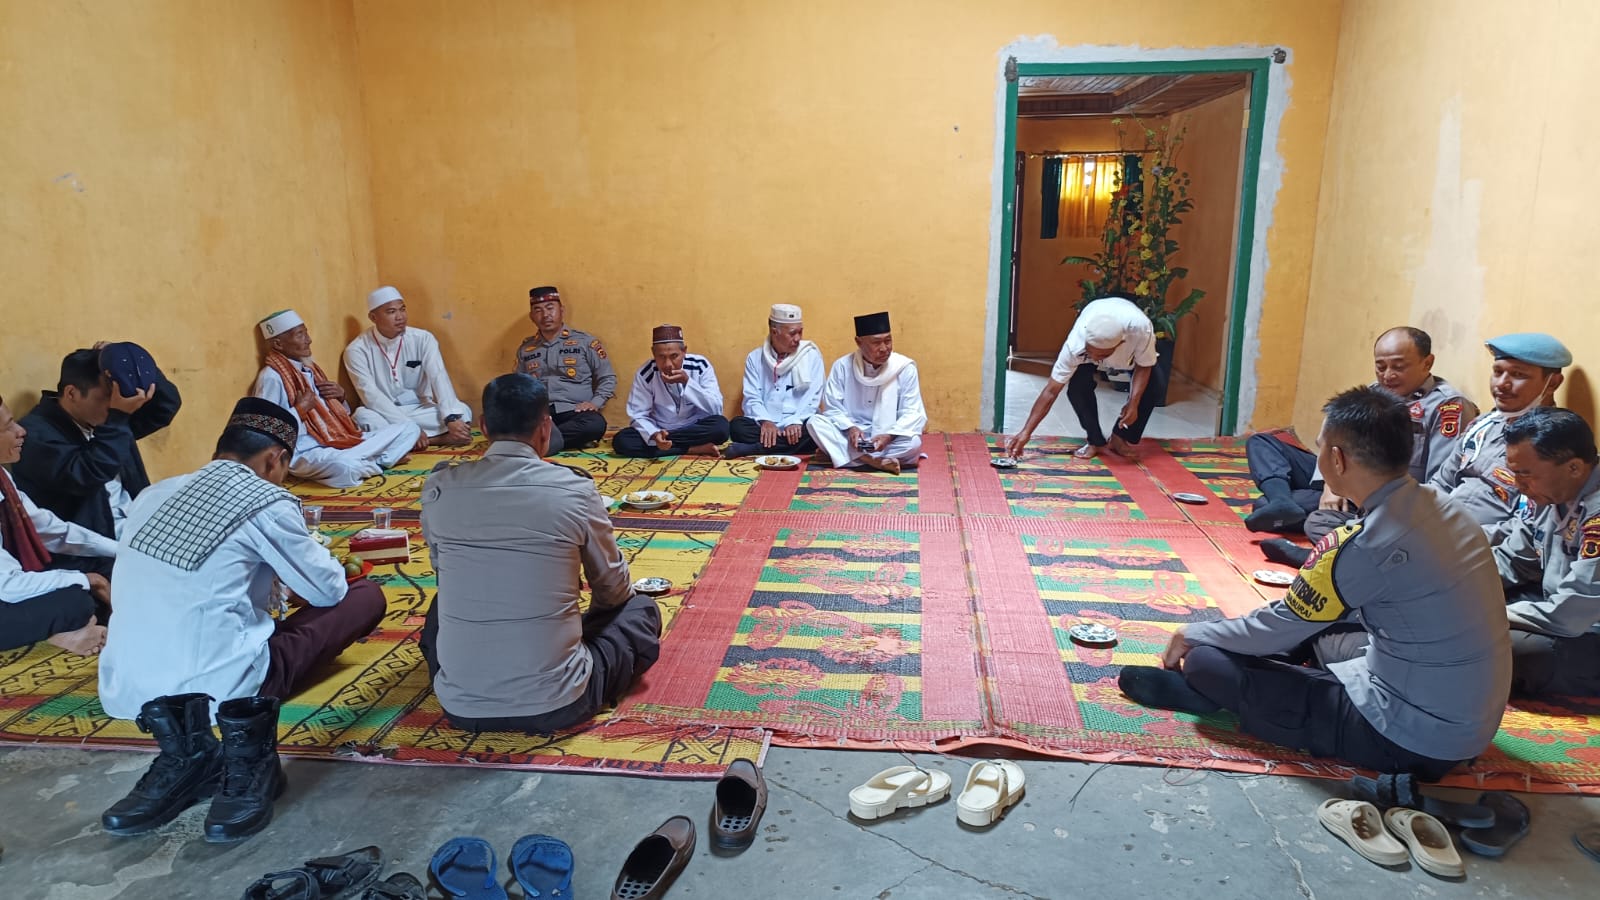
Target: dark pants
column 99, row 565
column 314, row 636
column 1271, row 458
column 1081, row 394
column 1542, row 665
column 37, row 618
column 745, row 433
column 709, row 430
column 1301, row 708
column 623, row 643
column 575, row 430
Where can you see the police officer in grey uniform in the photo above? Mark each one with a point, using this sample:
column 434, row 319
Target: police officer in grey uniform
column 1414, row 572
column 1292, row 490
column 574, row 368
column 1550, row 558
column 1527, row 369
column 512, row 537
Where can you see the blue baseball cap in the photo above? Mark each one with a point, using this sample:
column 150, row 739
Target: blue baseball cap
column 1531, row 347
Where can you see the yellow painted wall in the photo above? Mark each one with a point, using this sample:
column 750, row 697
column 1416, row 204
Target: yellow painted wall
column 1213, row 143
column 695, row 161
column 1458, row 192
column 1046, row 289
column 172, row 171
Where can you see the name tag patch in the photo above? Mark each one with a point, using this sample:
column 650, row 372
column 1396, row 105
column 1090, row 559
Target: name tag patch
column 1313, row 596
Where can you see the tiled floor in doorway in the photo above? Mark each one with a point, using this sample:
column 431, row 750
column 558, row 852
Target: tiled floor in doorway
column 1191, row 411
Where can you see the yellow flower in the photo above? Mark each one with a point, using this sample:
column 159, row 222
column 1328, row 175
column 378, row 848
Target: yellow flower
column 1144, row 239
column 1145, row 254
column 1143, row 289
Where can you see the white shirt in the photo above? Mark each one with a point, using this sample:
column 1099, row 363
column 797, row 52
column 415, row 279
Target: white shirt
column 58, row 536
column 1138, row 347
column 405, row 371
column 848, row 403
column 778, row 400
column 206, row 631
column 654, row 405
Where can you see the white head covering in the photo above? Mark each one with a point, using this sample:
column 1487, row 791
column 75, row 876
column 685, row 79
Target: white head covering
column 379, row 297
column 1102, row 328
column 279, row 322
column 784, row 314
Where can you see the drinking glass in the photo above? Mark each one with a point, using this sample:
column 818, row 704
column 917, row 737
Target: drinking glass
column 313, row 516
column 382, row 517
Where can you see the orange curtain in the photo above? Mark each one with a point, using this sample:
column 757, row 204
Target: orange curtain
column 1086, row 185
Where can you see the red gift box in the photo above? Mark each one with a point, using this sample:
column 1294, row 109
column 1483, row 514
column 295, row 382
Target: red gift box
column 379, row 546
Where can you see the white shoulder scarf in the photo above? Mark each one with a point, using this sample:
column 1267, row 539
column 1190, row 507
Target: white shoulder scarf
column 883, row 414
column 786, row 365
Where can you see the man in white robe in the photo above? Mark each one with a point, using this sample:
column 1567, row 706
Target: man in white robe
column 872, row 413
column 783, row 381
column 331, row 448
column 400, row 375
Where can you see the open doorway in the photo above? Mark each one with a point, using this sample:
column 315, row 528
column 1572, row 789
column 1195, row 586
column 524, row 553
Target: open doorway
column 1075, row 132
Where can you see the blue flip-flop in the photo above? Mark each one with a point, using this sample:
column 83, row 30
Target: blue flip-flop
column 542, row 865
column 466, row 867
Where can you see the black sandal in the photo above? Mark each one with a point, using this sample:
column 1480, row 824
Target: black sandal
column 325, row 878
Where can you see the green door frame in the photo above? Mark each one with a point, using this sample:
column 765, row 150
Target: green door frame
column 1239, row 303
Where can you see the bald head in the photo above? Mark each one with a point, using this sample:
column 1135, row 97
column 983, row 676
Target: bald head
column 1402, row 359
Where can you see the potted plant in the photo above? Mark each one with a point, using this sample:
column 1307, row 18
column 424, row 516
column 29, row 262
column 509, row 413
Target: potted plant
column 1150, row 198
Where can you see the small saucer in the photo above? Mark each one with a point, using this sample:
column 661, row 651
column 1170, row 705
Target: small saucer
column 778, row 462
column 1191, row 499
column 1003, row 462
column 1093, row 633
column 652, row 586
column 1273, row 577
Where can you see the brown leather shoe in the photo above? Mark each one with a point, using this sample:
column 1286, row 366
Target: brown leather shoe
column 655, row 861
column 741, row 799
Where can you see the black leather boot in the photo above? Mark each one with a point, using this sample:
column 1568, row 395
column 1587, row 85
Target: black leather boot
column 251, row 775
column 186, row 771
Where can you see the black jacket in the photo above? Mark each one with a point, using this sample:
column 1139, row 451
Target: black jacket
column 67, row 473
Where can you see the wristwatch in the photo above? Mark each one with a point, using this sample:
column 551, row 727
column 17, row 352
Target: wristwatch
column 453, row 417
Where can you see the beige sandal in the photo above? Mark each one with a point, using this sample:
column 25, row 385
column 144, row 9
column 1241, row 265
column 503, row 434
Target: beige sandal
column 1359, row 824
column 992, row 785
column 1429, row 842
column 898, row 787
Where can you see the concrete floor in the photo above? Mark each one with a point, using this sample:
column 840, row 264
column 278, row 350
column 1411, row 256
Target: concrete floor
column 1132, row 832
column 1191, row 411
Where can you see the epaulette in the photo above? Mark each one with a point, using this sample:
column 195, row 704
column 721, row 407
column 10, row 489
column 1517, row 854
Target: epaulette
column 584, row 472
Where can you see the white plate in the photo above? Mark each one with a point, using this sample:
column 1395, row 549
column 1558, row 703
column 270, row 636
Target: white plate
column 1093, row 633
column 778, row 462
column 1273, row 577
column 1003, row 462
column 652, row 585
column 1191, row 499
column 648, row 499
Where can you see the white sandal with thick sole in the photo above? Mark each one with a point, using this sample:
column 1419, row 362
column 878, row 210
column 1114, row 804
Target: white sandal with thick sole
column 1360, row 825
column 898, row 787
column 992, row 785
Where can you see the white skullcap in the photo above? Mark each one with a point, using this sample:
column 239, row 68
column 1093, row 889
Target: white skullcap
column 379, row 297
column 279, row 322
column 784, row 314
column 1102, row 328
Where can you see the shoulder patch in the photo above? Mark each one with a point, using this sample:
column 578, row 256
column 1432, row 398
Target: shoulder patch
column 1590, row 548
column 1450, row 417
column 1314, row 596
column 1504, row 476
column 594, row 344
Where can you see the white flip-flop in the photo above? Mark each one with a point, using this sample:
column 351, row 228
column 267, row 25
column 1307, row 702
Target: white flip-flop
column 1359, row 824
column 1430, row 844
column 898, row 787
column 992, row 785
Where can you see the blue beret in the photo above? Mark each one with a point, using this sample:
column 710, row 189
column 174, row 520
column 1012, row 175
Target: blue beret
column 1531, row 347
column 130, row 366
